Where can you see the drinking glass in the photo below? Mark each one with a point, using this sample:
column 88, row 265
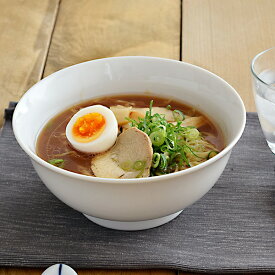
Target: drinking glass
column 263, row 76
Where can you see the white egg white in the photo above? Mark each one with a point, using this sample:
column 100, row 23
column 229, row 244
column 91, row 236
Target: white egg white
column 105, row 140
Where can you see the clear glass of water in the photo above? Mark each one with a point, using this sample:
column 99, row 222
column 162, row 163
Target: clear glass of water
column 263, row 76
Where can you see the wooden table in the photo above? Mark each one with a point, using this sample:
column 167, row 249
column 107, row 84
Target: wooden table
column 41, row 37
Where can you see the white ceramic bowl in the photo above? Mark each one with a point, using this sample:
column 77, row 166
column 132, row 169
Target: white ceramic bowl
column 130, row 204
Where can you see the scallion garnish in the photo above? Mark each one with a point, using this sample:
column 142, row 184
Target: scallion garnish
column 126, row 165
column 173, row 144
column 158, row 137
column 156, row 159
column 57, row 162
column 178, row 115
column 139, row 165
column 212, row 154
column 192, row 133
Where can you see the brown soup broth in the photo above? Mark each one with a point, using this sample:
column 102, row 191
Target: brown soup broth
column 52, row 142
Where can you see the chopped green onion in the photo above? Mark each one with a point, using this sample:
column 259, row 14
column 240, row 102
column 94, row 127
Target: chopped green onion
column 171, row 144
column 183, row 155
column 175, row 147
column 163, row 162
column 164, row 148
column 187, row 148
column 156, row 159
column 168, row 107
column 126, row 165
column 139, row 165
column 57, row 162
column 192, row 133
column 178, row 115
column 157, row 138
column 150, row 107
column 212, row 154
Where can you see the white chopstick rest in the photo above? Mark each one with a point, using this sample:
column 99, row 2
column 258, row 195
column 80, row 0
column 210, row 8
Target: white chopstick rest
column 59, row 269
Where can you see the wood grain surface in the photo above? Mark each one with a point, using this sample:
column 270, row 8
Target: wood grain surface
column 25, row 32
column 90, row 29
column 223, row 36
column 39, row 38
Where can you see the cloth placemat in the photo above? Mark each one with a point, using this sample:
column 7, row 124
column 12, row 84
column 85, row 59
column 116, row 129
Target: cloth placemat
column 230, row 230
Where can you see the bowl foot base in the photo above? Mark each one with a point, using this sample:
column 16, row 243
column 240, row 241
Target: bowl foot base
column 132, row 226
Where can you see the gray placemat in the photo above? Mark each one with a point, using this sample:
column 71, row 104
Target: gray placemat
column 231, row 229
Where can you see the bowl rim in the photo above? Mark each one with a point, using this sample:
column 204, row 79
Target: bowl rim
column 74, row 175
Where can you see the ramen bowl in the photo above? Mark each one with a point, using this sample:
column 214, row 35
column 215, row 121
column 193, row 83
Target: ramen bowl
column 141, row 203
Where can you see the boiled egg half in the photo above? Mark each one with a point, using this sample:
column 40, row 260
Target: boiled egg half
column 92, row 129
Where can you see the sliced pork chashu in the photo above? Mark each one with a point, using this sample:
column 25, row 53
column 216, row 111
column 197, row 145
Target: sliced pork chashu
column 130, row 157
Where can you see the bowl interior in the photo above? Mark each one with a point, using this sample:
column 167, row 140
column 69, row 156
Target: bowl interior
column 128, row 75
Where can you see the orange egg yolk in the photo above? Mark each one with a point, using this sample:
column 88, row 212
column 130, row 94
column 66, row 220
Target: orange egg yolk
column 88, row 127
